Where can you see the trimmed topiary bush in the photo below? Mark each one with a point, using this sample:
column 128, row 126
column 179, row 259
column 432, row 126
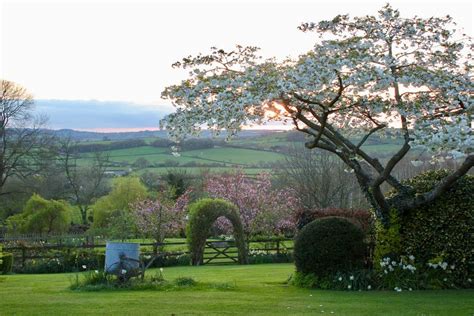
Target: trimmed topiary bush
column 329, row 245
column 362, row 218
column 444, row 230
column 202, row 215
column 7, row 263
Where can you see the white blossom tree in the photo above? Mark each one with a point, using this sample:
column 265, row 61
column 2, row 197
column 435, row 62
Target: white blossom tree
column 365, row 74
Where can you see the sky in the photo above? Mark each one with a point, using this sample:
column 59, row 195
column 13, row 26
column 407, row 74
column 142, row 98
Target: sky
column 123, row 50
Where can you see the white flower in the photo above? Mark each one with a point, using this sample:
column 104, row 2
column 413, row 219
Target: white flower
column 432, row 265
column 161, row 269
column 340, row 278
column 349, row 287
column 469, row 280
column 394, row 263
column 351, row 277
column 410, row 289
column 124, row 271
column 84, row 266
column 96, row 271
column 369, row 287
column 411, row 257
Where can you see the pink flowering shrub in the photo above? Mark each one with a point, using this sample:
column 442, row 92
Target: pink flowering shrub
column 160, row 218
column 262, row 210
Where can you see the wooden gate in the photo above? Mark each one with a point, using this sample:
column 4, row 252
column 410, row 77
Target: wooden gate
column 220, row 252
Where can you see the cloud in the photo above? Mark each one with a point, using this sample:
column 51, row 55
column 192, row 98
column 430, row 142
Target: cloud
column 92, row 114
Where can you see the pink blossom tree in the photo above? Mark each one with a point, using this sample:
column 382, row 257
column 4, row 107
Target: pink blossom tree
column 262, row 209
column 161, row 217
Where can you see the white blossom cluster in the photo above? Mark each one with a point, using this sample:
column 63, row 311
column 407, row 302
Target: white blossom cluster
column 390, row 265
column 442, row 265
column 362, row 72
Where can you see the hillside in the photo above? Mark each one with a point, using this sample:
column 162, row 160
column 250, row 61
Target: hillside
column 254, row 151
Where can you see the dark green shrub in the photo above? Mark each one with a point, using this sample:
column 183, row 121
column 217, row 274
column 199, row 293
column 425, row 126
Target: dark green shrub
column 445, row 228
column 257, row 258
column 362, row 218
column 7, row 263
column 358, row 280
column 329, row 245
column 202, row 215
column 46, row 265
column 100, row 261
column 68, row 260
column 167, row 260
column 82, row 259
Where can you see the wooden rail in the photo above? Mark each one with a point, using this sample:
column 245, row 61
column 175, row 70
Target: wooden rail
column 23, row 252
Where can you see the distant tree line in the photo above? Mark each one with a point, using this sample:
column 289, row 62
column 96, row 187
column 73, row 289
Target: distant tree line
column 95, row 147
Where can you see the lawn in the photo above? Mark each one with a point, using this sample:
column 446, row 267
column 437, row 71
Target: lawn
column 259, row 290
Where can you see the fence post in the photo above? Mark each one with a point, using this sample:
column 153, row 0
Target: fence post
column 278, row 246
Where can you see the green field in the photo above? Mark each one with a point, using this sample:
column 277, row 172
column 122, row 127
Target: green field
column 200, row 170
column 218, row 159
column 221, row 155
column 258, row 290
column 254, row 155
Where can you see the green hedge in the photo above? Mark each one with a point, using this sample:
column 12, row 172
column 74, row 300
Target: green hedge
column 329, row 245
column 202, row 215
column 7, row 263
column 443, row 230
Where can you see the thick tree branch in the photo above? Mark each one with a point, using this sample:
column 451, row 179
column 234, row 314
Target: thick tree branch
column 439, row 189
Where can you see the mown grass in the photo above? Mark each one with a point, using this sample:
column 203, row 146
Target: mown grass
column 258, row 290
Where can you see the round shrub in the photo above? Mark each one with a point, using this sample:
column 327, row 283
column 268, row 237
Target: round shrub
column 329, row 245
column 443, row 230
column 362, row 218
column 202, row 215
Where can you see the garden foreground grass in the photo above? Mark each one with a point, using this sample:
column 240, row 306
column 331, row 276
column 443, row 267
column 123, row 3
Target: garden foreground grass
column 258, row 290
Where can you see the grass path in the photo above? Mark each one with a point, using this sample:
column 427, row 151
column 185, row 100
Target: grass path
column 260, row 290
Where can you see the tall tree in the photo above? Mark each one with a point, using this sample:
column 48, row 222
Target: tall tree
column 319, row 180
column 85, row 183
column 364, row 74
column 25, row 148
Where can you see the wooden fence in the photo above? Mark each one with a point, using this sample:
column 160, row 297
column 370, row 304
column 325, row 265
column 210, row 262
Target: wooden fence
column 216, row 252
